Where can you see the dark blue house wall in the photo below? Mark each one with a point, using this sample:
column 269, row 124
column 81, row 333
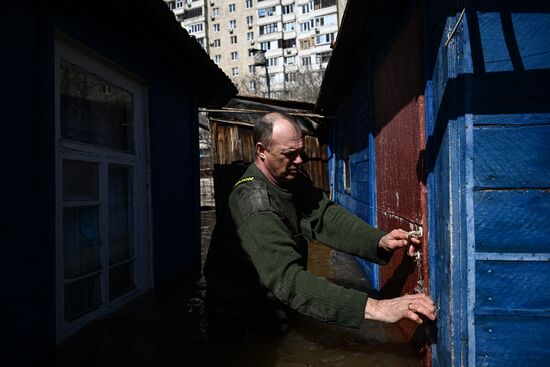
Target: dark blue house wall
column 27, row 230
column 354, row 130
column 510, row 115
column 28, row 200
column 487, row 120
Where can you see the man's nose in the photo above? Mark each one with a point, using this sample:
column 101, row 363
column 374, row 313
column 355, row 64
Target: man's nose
column 298, row 159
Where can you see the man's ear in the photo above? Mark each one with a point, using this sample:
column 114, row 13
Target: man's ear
column 260, row 150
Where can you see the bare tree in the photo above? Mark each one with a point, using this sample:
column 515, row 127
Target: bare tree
column 300, row 85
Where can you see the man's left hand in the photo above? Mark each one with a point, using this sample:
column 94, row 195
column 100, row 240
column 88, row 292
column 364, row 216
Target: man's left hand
column 397, row 239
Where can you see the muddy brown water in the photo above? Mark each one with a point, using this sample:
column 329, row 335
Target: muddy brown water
column 145, row 335
column 312, row 344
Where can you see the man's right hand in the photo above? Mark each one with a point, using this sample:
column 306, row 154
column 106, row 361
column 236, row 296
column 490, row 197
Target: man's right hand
column 395, row 309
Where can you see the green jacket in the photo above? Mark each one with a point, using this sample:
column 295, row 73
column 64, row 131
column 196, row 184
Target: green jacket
column 258, row 251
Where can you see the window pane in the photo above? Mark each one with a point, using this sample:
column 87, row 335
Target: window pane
column 121, row 213
column 80, row 181
column 82, row 297
column 95, row 111
column 80, row 241
column 121, row 279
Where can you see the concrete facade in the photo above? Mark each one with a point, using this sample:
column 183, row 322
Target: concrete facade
column 296, row 34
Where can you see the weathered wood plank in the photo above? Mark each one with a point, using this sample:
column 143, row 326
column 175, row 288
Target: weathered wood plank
column 513, row 288
column 360, row 172
column 512, row 341
column 512, row 221
column 512, row 157
column 509, row 119
column 530, row 31
column 357, row 207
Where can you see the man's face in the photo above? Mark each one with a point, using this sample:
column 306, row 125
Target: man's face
column 283, row 156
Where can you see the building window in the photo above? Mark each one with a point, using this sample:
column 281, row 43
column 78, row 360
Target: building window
column 215, row 12
column 252, row 84
column 194, row 28
column 251, row 69
column 249, row 20
column 290, row 60
column 306, row 26
column 266, row 12
column 306, row 61
column 101, row 239
column 320, row 4
column 288, row 9
column 232, row 24
column 274, row 61
column 289, row 43
column 216, row 43
column 234, row 71
column 324, row 39
column 231, row 8
column 179, row 4
column 250, row 53
column 323, row 57
column 233, row 39
column 191, row 13
column 250, row 36
column 248, row 4
column 234, row 55
column 216, row 27
column 304, row 9
column 289, row 26
column 264, row 46
column 326, row 20
column 217, row 59
column 269, row 28
column 290, row 77
column 306, row 43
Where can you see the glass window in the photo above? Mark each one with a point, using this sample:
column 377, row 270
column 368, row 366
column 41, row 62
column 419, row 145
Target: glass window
column 121, row 229
column 95, row 111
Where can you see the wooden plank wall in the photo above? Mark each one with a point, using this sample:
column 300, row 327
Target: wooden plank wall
column 233, row 150
column 445, row 134
column 488, row 127
column 399, row 144
column 510, row 91
column 354, row 129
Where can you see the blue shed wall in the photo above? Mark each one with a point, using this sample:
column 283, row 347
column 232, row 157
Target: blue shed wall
column 510, row 106
column 29, row 140
column 488, row 126
column 354, row 129
column 27, row 229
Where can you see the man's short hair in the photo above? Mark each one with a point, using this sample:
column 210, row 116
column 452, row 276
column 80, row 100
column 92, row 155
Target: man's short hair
column 263, row 129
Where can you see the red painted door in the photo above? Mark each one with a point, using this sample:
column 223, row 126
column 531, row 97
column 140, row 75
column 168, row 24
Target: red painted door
column 399, row 143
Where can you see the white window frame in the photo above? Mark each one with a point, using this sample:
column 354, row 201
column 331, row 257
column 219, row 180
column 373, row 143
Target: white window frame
column 73, row 52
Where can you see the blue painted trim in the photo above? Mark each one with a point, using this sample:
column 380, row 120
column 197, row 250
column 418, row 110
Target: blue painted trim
column 511, row 256
column 467, row 68
column 372, row 168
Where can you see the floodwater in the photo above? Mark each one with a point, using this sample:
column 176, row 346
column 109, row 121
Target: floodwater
column 312, row 344
column 144, row 334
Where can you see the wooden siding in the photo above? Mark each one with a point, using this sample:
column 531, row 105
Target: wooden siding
column 399, row 144
column 511, row 178
column 488, row 126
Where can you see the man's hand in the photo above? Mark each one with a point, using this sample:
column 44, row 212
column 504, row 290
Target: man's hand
column 397, row 239
column 408, row 306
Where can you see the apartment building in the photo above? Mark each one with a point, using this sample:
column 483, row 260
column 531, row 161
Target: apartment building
column 295, row 36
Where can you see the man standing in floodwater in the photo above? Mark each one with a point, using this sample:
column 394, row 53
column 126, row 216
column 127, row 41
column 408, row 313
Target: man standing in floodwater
column 256, row 266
